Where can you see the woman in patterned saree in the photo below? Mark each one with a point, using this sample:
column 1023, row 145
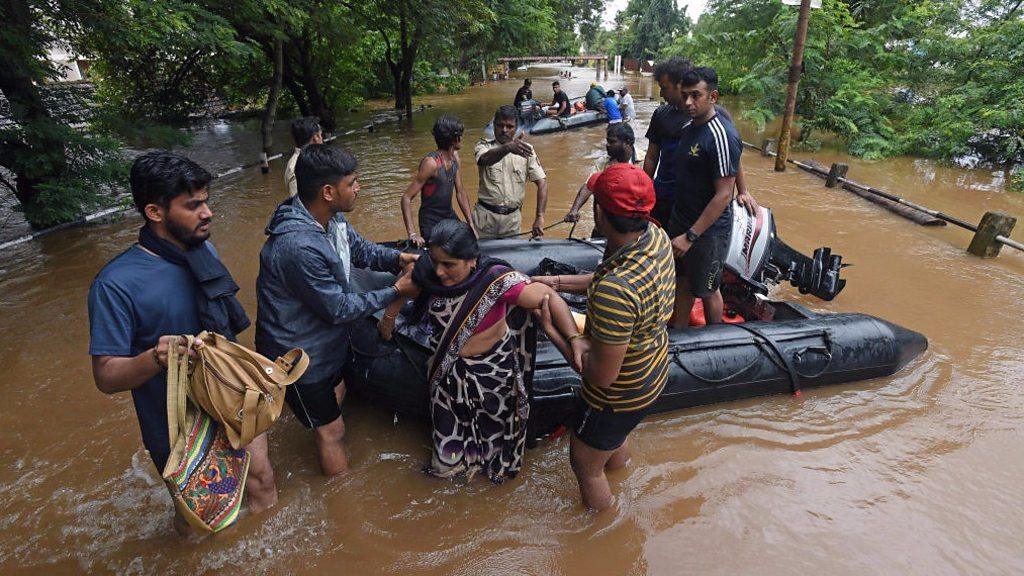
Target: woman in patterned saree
column 476, row 310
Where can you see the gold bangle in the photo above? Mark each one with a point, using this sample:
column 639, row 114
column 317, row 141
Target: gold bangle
column 577, row 336
column 390, row 317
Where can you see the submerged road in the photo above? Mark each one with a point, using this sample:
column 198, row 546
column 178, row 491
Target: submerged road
column 916, row 473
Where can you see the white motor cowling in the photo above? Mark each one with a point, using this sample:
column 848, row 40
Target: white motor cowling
column 750, row 244
column 759, row 257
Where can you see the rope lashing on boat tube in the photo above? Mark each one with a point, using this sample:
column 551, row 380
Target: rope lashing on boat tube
column 396, row 339
column 678, row 362
column 787, row 362
column 825, row 351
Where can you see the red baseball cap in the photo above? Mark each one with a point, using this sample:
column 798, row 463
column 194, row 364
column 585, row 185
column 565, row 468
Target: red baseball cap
column 623, row 189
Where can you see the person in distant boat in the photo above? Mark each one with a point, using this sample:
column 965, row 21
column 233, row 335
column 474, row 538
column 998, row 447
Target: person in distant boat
column 524, row 93
column 506, row 163
column 437, row 177
column 304, row 291
column 305, row 130
column 626, row 105
column 663, row 137
column 619, row 146
column 170, row 283
column 594, row 97
column 475, row 310
column 611, row 108
column 560, row 106
column 623, row 353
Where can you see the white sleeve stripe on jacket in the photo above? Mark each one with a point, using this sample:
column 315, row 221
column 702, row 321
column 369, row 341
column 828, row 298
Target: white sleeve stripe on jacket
column 722, row 143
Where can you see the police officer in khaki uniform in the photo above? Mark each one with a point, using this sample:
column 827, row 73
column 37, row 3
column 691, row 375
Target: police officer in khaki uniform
column 506, row 163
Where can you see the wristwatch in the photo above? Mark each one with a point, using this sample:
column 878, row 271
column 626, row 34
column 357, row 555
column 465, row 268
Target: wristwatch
column 691, row 235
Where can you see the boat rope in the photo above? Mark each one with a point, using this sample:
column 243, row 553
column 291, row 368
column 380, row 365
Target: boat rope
column 588, row 243
column 754, row 362
column 791, row 371
column 419, row 368
column 545, row 229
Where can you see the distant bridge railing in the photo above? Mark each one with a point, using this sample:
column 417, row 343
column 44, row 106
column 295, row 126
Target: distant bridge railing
column 600, row 60
column 552, row 58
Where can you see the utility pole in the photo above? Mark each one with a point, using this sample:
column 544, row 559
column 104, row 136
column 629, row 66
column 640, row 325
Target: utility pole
column 794, row 81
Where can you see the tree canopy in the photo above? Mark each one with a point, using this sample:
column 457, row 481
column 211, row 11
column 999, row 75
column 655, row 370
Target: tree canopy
column 927, row 77
column 162, row 62
column 942, row 78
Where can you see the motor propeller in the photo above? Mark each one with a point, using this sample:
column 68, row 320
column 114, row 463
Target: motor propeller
column 818, row 275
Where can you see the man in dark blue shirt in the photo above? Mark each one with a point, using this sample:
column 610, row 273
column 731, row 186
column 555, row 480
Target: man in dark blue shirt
column 663, row 136
column 707, row 160
column 141, row 302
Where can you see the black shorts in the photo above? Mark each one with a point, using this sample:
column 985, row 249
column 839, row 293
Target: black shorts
column 603, row 429
column 314, row 402
column 703, row 263
column 663, row 210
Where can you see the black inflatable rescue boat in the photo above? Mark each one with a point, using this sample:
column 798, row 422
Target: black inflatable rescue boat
column 779, row 347
column 533, row 119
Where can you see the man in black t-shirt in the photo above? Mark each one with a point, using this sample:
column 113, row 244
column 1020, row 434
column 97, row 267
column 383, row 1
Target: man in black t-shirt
column 707, row 161
column 560, row 105
column 524, row 93
column 663, row 135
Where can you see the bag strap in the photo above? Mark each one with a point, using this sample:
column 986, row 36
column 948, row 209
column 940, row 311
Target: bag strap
column 177, row 388
column 248, row 413
column 294, row 362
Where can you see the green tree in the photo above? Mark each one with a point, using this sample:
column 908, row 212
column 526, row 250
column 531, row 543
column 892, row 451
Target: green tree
column 57, row 170
column 404, row 26
column 647, row 27
column 968, row 99
column 155, row 58
column 928, row 77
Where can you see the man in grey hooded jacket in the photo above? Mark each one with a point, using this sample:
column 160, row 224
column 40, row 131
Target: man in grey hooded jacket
column 304, row 294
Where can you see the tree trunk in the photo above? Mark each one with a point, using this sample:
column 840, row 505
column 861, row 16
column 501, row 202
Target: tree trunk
column 396, row 77
column 295, row 90
column 402, row 72
column 308, row 78
column 408, row 93
column 270, row 111
column 301, row 80
column 401, row 75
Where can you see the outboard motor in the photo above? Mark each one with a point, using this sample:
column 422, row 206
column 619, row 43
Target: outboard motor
column 529, row 112
column 757, row 256
column 749, row 246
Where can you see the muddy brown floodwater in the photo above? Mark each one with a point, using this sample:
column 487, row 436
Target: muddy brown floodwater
column 917, row 473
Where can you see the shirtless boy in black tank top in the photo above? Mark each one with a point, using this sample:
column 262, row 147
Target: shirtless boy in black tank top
column 437, row 177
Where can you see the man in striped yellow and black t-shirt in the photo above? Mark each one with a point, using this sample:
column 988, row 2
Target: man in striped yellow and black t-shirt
column 623, row 353
column 629, row 303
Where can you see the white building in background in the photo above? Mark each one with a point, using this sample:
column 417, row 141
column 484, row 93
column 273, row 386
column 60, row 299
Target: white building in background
column 70, row 67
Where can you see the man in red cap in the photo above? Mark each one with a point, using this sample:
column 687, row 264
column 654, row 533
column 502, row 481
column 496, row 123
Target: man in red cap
column 623, row 352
